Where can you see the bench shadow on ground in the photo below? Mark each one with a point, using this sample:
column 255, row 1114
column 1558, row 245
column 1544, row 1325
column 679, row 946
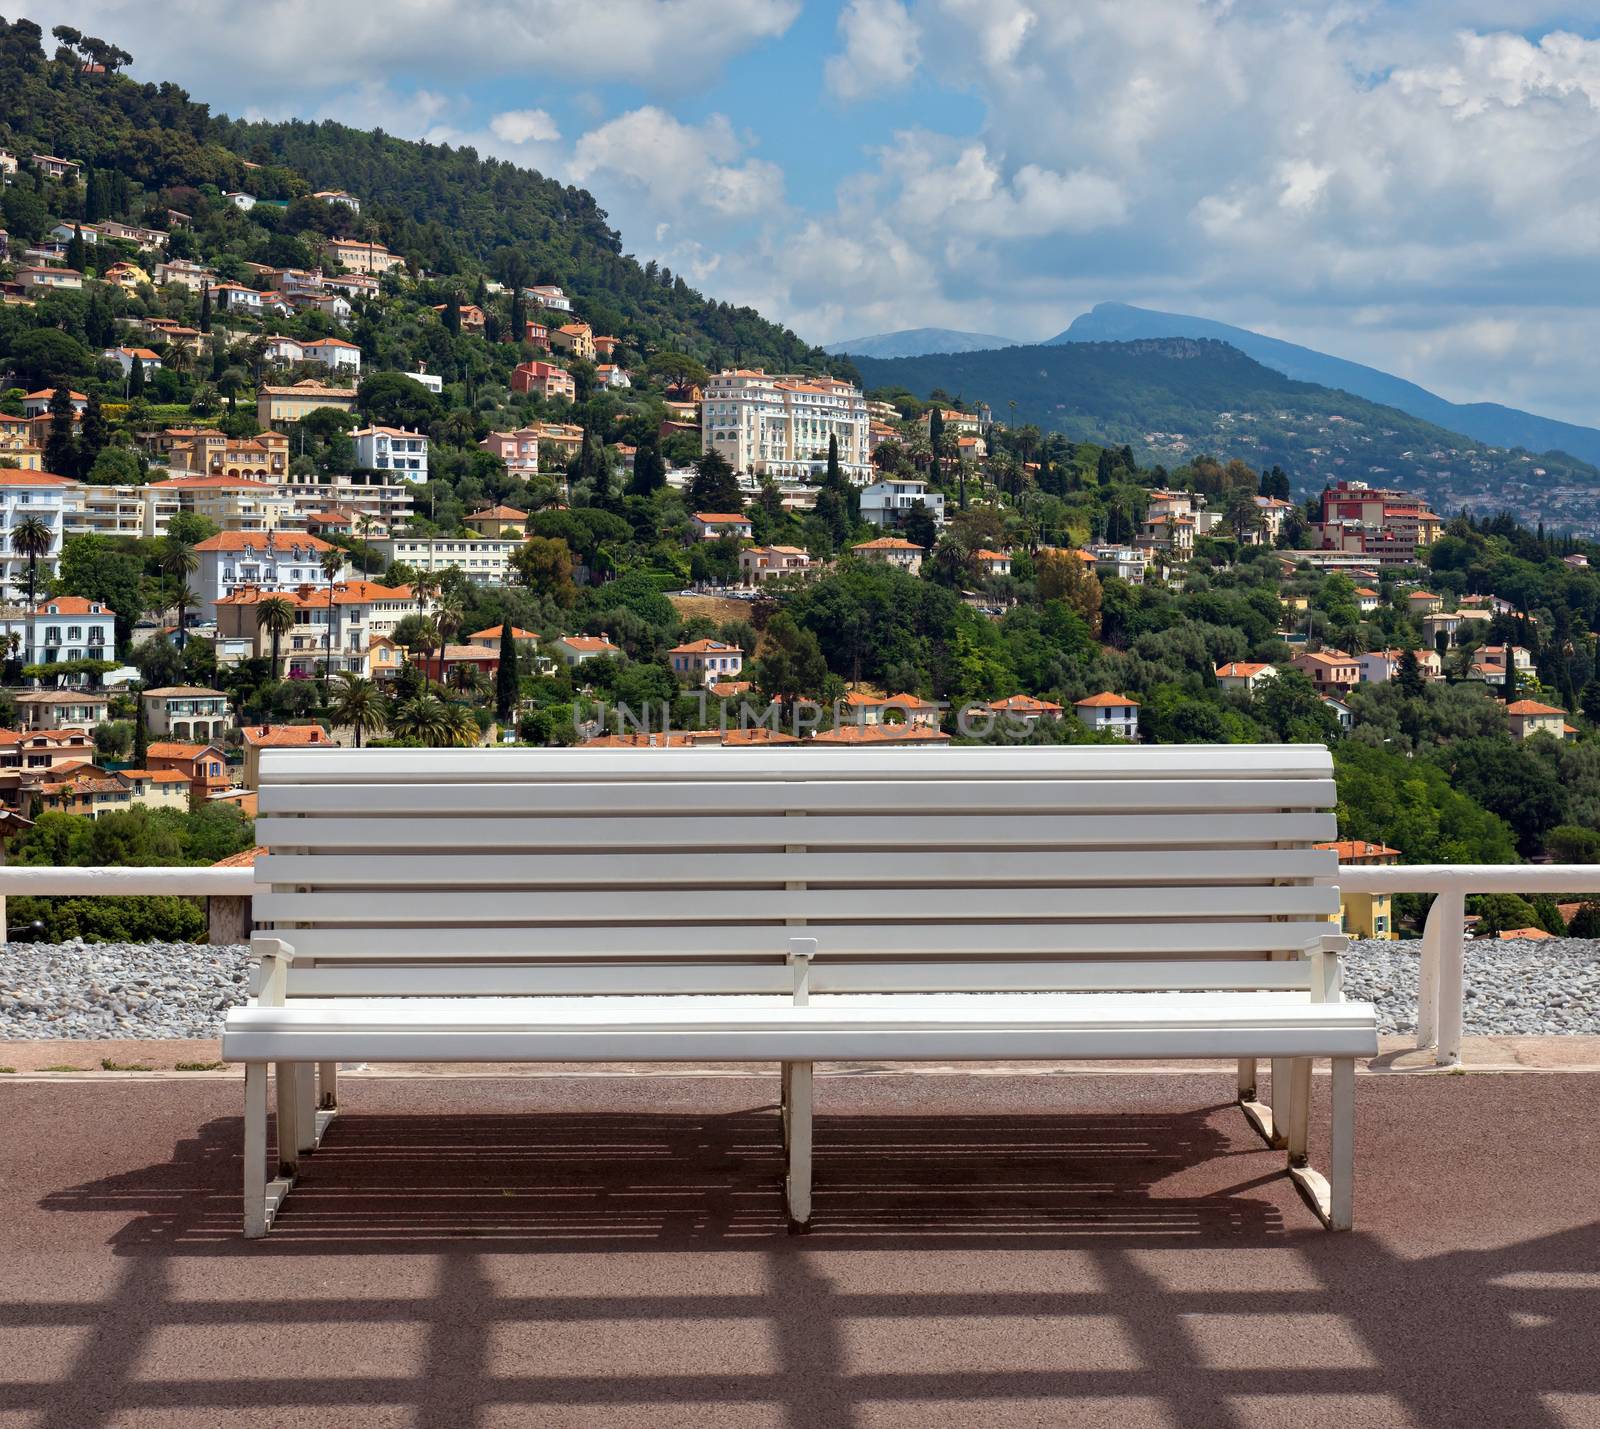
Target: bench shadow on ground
column 1492, row 1338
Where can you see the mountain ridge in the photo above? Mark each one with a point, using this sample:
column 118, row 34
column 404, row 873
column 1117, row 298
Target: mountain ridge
column 918, row 342
column 1492, row 423
column 1171, row 399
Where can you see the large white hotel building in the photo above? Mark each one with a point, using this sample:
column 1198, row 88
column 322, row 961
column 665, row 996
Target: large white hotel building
column 779, row 425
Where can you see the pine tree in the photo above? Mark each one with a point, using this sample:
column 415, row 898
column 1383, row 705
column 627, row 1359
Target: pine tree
column 506, row 682
column 715, row 487
column 1408, row 675
column 649, row 472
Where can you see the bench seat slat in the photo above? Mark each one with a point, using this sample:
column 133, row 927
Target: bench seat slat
column 867, row 796
column 1176, row 941
column 1240, row 761
column 981, row 1027
column 657, row 907
column 1160, row 830
column 679, row 870
column 347, row 979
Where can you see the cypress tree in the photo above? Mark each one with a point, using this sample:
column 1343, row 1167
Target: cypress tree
column 75, row 248
column 60, row 451
column 93, row 435
column 141, row 736
column 835, row 476
column 136, row 379
column 1509, row 689
column 205, row 309
column 506, row 683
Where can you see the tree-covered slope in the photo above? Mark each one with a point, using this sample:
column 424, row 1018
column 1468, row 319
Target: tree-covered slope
column 1483, row 421
column 1173, row 398
column 447, row 209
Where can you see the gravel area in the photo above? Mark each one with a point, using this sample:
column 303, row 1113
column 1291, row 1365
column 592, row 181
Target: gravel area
column 98, row 990
column 95, row 990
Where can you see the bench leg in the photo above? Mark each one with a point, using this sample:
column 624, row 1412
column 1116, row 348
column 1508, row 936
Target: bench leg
column 328, row 1082
column 1330, row 1196
column 785, row 1082
column 261, row 1196
column 1281, row 1099
column 1298, row 1129
column 1256, row 1112
column 797, row 1188
column 305, row 1106
column 285, row 1083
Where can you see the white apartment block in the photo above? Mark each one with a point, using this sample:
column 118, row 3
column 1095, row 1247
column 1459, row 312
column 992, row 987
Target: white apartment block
column 362, row 612
column 779, row 426
column 121, row 510
column 274, row 561
column 64, row 628
column 24, row 494
column 887, row 502
column 393, row 449
column 386, row 502
column 482, row 561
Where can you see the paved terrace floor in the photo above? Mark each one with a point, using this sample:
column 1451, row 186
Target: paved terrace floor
column 1061, row 1249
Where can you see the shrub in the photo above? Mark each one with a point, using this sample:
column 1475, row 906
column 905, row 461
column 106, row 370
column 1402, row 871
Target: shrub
column 129, row 919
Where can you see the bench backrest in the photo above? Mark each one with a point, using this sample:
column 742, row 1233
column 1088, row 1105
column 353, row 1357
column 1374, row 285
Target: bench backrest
column 493, row 872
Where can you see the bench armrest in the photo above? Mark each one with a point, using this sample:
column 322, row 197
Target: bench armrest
column 269, row 971
column 1325, row 952
column 801, row 952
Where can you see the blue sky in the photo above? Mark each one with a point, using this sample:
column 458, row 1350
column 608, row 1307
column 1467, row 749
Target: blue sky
column 1412, row 185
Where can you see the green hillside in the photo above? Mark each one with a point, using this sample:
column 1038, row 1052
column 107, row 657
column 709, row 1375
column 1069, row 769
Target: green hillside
column 1173, row 398
column 447, row 209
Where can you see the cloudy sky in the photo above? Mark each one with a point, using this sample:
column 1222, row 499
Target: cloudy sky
column 1414, row 184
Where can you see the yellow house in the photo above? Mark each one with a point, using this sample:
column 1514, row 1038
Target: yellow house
column 1365, row 915
column 290, row 404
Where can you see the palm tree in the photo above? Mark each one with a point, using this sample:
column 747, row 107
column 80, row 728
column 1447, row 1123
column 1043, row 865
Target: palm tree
column 448, row 618
column 424, row 718
column 332, row 561
column 275, row 615
column 468, row 680
column 462, row 727
column 179, row 561
column 32, row 538
column 358, row 704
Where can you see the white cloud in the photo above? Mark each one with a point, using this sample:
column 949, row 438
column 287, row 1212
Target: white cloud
column 679, row 169
column 283, row 50
column 524, row 126
column 882, row 48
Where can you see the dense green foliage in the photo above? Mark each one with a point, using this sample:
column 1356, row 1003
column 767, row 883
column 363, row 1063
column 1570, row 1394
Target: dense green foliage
column 1170, row 397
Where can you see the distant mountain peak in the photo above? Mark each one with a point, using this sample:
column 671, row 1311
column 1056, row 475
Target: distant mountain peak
column 1487, row 422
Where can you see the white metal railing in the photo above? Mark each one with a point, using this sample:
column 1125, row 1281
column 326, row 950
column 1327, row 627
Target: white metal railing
column 1441, row 979
column 86, row 882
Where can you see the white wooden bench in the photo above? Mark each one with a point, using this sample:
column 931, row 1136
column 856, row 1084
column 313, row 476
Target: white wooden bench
column 796, row 906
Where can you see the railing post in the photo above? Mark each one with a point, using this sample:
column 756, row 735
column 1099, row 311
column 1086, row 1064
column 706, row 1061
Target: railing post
column 1451, row 909
column 1428, row 977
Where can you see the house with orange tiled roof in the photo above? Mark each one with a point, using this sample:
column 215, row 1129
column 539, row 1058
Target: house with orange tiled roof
column 760, row 564
column 575, row 339
column 60, row 630
column 1109, row 713
column 1364, row 915
column 574, row 650
column 892, row 551
column 544, row 379
column 125, row 357
column 362, row 612
column 890, row 735
column 1329, row 670
column 334, row 353
column 1026, row 708
column 1526, row 718
column 492, row 520
column 90, row 791
column 714, row 525
column 1367, row 599
column 61, row 709
column 277, row 736
column 203, row 766
column 993, row 563
column 700, row 662
column 858, row 707
column 27, row 755
column 1244, row 675
column 37, row 404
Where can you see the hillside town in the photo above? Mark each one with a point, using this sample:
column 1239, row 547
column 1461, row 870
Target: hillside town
column 325, row 495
